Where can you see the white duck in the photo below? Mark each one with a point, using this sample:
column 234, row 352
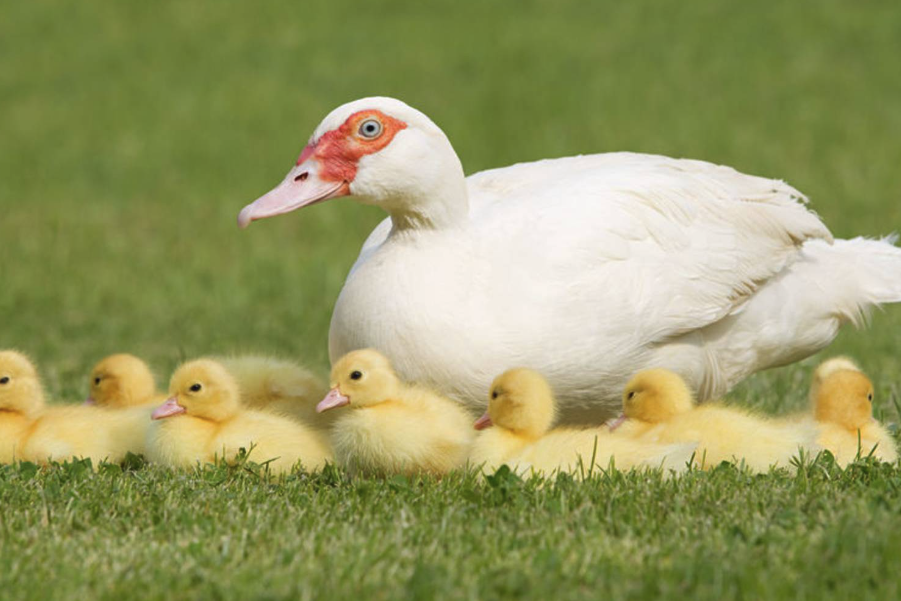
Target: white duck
column 586, row 268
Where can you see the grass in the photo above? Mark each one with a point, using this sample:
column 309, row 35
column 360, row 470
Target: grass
column 132, row 133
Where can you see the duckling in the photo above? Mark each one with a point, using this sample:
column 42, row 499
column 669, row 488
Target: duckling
column 32, row 431
column 658, row 407
column 203, row 420
column 827, row 367
column 521, row 410
column 391, row 427
column 122, row 381
column 843, row 410
column 21, row 401
column 279, row 386
column 515, row 431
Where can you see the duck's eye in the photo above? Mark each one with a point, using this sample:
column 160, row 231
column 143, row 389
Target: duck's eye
column 870, row 397
column 97, row 380
column 4, row 380
column 356, row 375
column 631, row 395
column 494, row 394
column 370, row 129
column 196, row 387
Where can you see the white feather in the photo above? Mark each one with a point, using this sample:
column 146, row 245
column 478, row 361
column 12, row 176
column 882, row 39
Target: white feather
column 589, row 269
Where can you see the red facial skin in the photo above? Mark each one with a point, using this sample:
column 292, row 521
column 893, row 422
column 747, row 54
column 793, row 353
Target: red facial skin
column 338, row 150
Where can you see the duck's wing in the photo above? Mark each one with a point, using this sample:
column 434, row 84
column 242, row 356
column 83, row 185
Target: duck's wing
column 682, row 242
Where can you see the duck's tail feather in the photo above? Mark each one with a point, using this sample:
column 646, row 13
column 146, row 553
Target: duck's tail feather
column 865, row 273
column 800, row 311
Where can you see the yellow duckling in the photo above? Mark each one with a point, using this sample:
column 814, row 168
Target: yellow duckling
column 280, row 386
column 203, row 420
column 658, row 407
column 827, row 367
column 122, row 381
column 21, row 401
column 521, row 409
column 391, row 427
column 32, row 431
column 843, row 410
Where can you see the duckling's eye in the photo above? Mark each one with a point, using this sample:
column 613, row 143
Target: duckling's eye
column 97, row 380
column 370, row 129
column 4, row 380
column 356, row 375
column 494, row 394
column 870, row 397
column 196, row 387
column 631, row 395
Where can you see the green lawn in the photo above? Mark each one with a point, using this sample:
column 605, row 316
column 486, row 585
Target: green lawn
column 131, row 133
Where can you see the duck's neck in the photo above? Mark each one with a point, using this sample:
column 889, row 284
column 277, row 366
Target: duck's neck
column 436, row 214
column 436, row 199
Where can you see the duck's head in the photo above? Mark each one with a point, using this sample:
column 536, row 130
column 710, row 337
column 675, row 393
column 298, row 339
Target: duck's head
column 845, row 398
column 360, row 379
column 826, row 368
column 20, row 387
column 656, row 395
column 121, row 381
column 382, row 152
column 520, row 400
column 202, row 388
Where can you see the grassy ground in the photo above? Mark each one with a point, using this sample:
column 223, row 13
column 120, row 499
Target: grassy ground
column 132, row 133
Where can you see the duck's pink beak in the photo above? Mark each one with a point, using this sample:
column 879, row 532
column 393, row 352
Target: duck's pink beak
column 483, row 422
column 168, row 409
column 333, row 399
column 300, row 188
column 89, row 401
column 616, row 422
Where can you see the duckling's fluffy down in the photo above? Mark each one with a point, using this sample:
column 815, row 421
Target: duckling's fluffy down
column 573, row 451
column 417, row 432
column 731, row 434
column 64, row 432
column 279, row 386
column 185, row 441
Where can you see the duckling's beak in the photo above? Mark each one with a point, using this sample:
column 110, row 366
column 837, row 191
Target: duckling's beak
column 333, row 399
column 483, row 422
column 615, row 423
column 168, row 409
column 300, row 188
column 89, row 401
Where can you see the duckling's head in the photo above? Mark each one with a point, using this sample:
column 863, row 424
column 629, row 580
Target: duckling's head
column 520, row 400
column 360, row 379
column 121, row 381
column 656, row 395
column 826, row 368
column 845, row 398
column 20, row 387
column 201, row 388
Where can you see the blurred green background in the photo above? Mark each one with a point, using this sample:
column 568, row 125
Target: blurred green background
column 131, row 134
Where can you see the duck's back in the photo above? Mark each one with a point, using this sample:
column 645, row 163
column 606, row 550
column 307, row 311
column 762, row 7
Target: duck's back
column 64, row 432
column 493, row 447
column 279, row 386
column 14, row 429
column 415, row 433
column 846, row 445
column 573, row 450
column 279, row 440
column 730, row 434
column 129, row 428
column 181, row 441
